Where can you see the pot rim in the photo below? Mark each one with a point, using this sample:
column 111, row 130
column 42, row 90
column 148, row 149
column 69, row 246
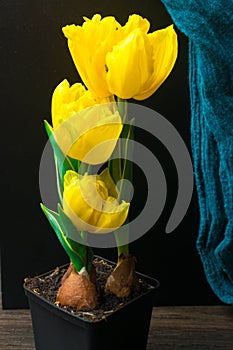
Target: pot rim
column 152, row 283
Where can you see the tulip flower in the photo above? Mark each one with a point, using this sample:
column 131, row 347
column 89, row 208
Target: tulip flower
column 125, row 61
column 68, row 100
column 139, row 64
column 86, row 128
column 88, row 45
column 91, row 202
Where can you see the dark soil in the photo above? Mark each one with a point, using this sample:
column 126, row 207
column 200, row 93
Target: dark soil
column 47, row 286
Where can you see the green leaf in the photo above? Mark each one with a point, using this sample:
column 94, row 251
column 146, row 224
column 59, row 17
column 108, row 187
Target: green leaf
column 90, row 257
column 63, row 163
column 71, row 232
column 59, row 181
column 75, row 163
column 55, row 222
column 73, row 237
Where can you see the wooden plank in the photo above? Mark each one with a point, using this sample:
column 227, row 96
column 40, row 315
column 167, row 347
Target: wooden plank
column 16, row 330
column 172, row 328
column 191, row 328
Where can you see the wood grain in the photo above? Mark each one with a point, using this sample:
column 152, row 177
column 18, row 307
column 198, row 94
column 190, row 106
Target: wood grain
column 172, row 328
column 191, row 328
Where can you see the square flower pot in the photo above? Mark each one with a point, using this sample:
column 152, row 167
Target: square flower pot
column 126, row 328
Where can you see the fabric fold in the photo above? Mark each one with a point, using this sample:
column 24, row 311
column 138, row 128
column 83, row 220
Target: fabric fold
column 209, row 27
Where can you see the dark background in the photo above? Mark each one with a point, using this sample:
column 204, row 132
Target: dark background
column 34, row 59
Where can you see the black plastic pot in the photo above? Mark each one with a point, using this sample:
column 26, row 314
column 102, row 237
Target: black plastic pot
column 127, row 328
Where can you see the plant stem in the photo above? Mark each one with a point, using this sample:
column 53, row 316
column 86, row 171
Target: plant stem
column 122, row 248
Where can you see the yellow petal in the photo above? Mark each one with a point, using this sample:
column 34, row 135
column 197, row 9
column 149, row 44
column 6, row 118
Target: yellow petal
column 165, row 50
column 97, row 144
column 129, row 65
column 67, row 100
column 135, row 22
column 81, row 201
column 72, row 201
column 88, row 46
column 91, row 134
column 107, row 179
column 89, row 205
column 79, row 134
column 113, row 216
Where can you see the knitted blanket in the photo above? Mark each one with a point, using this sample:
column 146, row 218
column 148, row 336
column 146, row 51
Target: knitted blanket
column 208, row 24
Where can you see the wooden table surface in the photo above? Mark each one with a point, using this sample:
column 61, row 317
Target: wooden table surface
column 172, row 328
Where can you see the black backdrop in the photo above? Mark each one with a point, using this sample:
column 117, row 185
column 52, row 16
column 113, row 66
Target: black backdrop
column 34, row 59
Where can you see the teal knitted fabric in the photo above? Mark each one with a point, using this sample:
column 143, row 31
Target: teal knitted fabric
column 208, row 24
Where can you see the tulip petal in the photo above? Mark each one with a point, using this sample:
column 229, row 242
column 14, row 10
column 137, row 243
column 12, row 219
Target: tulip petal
column 136, row 22
column 107, row 179
column 165, row 49
column 89, row 135
column 81, row 201
column 129, row 65
column 113, row 216
column 67, row 100
column 93, row 134
column 88, row 45
column 89, row 205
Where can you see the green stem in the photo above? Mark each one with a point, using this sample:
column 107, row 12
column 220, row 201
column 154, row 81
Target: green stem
column 122, row 248
column 83, row 235
column 123, row 108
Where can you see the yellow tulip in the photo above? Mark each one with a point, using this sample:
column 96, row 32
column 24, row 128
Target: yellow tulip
column 135, row 22
column 68, row 100
column 125, row 61
column 91, row 202
column 88, row 45
column 86, row 128
column 140, row 63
